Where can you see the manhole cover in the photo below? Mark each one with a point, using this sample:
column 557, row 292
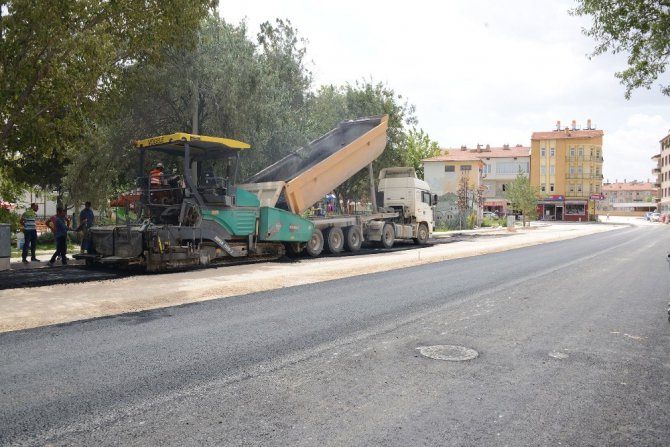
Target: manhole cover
column 448, row 352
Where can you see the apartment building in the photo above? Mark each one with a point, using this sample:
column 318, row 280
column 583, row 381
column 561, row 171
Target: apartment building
column 629, row 197
column 662, row 171
column 444, row 174
column 566, row 166
column 499, row 167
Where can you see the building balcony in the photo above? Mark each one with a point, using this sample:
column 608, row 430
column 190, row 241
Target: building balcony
column 582, row 158
column 656, row 171
column 584, row 176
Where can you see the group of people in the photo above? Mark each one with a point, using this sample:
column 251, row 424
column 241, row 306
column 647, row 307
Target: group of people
column 59, row 224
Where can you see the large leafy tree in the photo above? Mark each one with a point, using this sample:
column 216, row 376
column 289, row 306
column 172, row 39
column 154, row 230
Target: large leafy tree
column 640, row 28
column 228, row 84
column 59, row 59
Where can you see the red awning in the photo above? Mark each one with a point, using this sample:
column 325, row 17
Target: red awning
column 495, row 202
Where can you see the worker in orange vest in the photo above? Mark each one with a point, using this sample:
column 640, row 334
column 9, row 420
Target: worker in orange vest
column 156, row 175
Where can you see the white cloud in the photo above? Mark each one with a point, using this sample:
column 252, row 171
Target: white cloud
column 630, row 147
column 479, row 71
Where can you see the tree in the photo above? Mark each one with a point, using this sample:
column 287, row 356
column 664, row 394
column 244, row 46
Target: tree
column 60, row 59
column 240, row 89
column 333, row 104
column 639, row 27
column 419, row 147
column 523, row 196
column 464, row 195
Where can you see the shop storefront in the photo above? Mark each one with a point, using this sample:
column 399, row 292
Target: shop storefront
column 576, row 211
column 497, row 206
column 558, row 208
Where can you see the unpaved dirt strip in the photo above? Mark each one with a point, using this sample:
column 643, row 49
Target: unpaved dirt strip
column 41, row 306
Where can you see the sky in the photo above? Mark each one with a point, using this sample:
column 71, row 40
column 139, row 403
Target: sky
column 478, row 71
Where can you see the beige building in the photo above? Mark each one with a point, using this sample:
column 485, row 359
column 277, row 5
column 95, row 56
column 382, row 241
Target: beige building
column 662, row 170
column 566, row 166
column 445, row 173
column 501, row 167
column 633, row 197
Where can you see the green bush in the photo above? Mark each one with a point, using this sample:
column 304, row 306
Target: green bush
column 46, row 238
column 489, row 222
column 472, row 220
column 6, row 216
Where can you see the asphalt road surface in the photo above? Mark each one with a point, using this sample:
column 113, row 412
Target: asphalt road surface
column 571, row 339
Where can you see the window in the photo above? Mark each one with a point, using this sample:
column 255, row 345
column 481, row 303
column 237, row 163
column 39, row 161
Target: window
column 425, row 197
column 574, row 209
column 552, row 152
column 511, row 167
column 466, row 167
column 551, row 187
column 449, row 168
column 543, row 152
column 572, row 188
column 572, row 151
column 543, row 170
column 504, row 187
column 552, row 170
column 580, row 151
column 543, row 188
column 487, row 169
column 579, row 188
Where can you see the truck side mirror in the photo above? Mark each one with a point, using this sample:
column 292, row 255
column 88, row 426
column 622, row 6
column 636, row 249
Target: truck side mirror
column 434, row 202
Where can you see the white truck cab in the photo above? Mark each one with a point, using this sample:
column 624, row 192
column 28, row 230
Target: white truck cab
column 403, row 190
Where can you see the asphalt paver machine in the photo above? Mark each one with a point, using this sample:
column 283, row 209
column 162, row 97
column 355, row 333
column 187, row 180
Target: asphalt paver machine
column 195, row 217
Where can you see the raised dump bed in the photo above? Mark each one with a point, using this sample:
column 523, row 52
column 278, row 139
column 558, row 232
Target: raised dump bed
column 315, row 170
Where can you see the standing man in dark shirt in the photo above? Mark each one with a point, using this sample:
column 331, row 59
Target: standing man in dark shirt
column 59, row 226
column 86, row 221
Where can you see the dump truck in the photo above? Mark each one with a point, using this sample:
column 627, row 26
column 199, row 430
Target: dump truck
column 304, row 177
column 202, row 215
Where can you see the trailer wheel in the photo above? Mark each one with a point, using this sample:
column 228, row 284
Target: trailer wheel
column 353, row 239
column 334, row 239
column 388, row 236
column 315, row 245
column 421, row 235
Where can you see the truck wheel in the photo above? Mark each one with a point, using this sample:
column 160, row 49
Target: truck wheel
column 315, row 245
column 388, row 236
column 352, row 238
column 334, row 239
column 421, row 235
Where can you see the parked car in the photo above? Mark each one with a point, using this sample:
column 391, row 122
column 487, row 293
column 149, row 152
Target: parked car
column 491, row 214
column 655, row 217
column 647, row 215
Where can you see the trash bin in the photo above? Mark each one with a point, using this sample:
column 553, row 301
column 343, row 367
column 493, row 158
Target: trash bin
column 20, row 240
column 5, row 246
